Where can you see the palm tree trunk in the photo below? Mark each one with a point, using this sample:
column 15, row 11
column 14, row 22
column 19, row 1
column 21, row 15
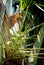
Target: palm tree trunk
column 2, row 10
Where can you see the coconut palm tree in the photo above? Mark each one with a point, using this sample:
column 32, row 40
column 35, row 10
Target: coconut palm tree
column 18, row 45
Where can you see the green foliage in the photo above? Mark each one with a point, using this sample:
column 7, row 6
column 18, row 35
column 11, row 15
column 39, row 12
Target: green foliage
column 24, row 4
column 1, row 49
column 15, row 44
